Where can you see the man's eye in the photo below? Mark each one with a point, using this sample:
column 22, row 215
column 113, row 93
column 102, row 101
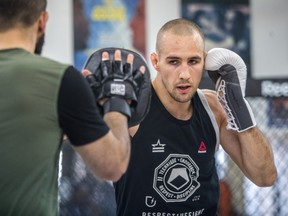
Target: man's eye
column 193, row 62
column 173, row 62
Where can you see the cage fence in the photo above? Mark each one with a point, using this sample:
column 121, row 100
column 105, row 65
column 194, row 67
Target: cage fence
column 247, row 199
column 83, row 194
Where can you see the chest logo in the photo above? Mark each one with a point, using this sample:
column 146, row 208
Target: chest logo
column 158, row 147
column 202, row 148
column 175, row 179
column 150, row 201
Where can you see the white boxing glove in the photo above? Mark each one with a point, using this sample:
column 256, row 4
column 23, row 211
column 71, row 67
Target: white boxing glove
column 228, row 71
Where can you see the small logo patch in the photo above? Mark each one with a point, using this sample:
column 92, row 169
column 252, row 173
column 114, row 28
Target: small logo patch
column 117, row 89
column 150, row 201
column 202, row 148
column 158, row 147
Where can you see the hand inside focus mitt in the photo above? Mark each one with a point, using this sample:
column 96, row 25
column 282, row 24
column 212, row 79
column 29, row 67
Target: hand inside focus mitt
column 120, row 81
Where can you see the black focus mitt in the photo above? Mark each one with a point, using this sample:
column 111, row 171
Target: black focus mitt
column 125, row 88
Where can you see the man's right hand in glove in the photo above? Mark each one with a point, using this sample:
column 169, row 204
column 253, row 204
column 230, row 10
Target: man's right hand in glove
column 120, row 80
column 113, row 90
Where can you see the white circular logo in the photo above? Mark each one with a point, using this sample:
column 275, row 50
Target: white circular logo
column 175, row 179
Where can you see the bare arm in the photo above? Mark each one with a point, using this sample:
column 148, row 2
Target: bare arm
column 250, row 150
column 108, row 157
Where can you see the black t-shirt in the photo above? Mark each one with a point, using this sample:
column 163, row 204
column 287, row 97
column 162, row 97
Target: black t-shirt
column 79, row 115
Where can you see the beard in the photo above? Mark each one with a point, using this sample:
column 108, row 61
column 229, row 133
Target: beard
column 39, row 44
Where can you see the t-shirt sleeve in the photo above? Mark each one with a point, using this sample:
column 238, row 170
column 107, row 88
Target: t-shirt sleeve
column 79, row 116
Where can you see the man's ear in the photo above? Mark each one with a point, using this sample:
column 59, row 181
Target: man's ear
column 154, row 60
column 205, row 54
column 42, row 22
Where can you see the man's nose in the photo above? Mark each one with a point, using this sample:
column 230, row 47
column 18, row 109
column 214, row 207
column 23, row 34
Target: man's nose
column 184, row 72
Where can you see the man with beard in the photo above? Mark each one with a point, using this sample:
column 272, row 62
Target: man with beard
column 40, row 100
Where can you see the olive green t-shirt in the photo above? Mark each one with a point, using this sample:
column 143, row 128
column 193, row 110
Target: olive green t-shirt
column 29, row 86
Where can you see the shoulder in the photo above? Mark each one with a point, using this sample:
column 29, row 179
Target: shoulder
column 48, row 63
column 133, row 130
column 210, row 95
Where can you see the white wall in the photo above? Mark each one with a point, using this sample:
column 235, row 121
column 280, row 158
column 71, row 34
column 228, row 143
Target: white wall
column 269, row 25
column 158, row 12
column 59, row 32
column 269, row 38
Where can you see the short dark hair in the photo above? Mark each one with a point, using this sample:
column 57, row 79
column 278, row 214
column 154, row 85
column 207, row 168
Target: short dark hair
column 22, row 13
column 179, row 26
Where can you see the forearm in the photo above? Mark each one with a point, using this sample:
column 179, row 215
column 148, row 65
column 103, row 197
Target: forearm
column 257, row 157
column 117, row 123
column 108, row 156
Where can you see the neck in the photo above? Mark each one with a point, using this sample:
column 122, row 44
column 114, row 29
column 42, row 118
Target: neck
column 181, row 111
column 17, row 38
